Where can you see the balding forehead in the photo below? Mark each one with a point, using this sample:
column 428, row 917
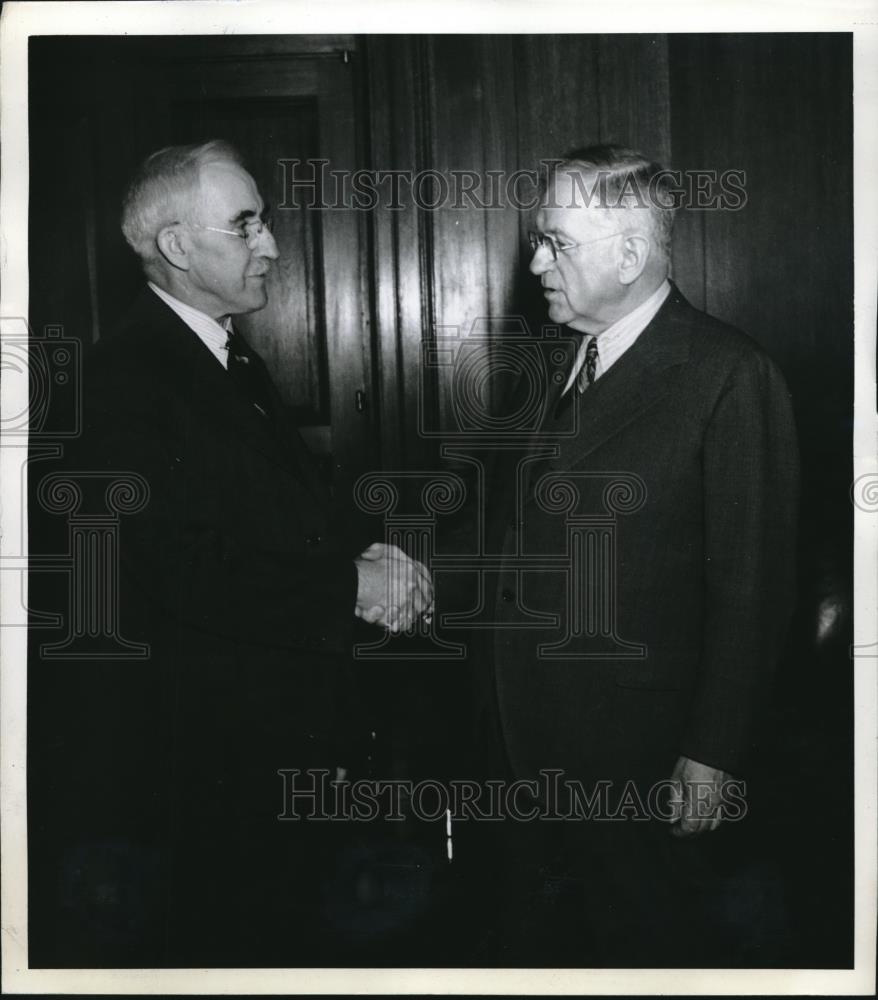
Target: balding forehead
column 225, row 172
column 228, row 185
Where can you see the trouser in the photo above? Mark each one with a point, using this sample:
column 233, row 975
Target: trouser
column 593, row 893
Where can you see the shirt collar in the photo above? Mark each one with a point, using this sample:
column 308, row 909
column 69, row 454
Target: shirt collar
column 639, row 316
column 184, row 309
column 619, row 336
column 213, row 333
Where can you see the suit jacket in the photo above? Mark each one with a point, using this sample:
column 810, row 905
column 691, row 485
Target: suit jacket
column 696, row 418
column 164, row 771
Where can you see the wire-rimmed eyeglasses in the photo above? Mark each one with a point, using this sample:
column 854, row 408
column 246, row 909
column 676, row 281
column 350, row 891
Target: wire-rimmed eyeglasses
column 249, row 232
column 538, row 240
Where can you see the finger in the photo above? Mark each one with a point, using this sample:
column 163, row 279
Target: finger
column 717, row 819
column 400, row 576
column 426, row 591
column 675, row 802
column 414, row 569
column 424, row 578
column 700, row 824
column 688, row 827
column 391, row 619
column 691, row 811
column 407, row 624
column 418, row 601
column 683, row 831
column 374, row 615
column 407, row 617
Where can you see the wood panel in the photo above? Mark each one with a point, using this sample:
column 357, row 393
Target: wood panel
column 399, row 127
column 61, row 244
column 557, row 90
column 634, row 93
column 780, row 109
column 781, row 268
column 485, row 104
column 473, row 246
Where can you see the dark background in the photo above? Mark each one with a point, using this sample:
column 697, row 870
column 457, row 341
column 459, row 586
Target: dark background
column 365, row 289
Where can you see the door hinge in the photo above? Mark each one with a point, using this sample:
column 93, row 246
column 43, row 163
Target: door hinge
column 360, row 400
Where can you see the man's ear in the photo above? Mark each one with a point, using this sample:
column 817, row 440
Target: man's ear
column 173, row 247
column 635, row 254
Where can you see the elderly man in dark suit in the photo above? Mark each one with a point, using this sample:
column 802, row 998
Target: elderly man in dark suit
column 155, row 783
column 657, row 690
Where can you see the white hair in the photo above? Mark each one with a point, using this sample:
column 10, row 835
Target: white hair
column 162, row 189
column 630, row 182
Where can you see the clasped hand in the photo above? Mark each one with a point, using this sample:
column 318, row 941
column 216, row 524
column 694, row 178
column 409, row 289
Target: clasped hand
column 394, row 590
column 697, row 797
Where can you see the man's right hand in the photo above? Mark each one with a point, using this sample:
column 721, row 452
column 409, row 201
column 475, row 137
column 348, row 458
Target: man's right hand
column 394, row 589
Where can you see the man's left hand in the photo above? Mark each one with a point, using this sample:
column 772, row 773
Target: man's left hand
column 696, row 801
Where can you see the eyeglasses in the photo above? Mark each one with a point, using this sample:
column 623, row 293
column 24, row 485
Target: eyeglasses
column 249, row 232
column 538, row 240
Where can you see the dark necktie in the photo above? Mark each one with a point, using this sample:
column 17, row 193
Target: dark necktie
column 585, row 378
column 248, row 378
column 589, row 369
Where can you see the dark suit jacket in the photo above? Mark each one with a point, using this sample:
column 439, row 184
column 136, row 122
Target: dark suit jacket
column 703, row 573
column 158, row 779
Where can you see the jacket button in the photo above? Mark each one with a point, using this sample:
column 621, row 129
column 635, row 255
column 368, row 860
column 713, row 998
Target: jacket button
column 506, row 595
column 313, row 540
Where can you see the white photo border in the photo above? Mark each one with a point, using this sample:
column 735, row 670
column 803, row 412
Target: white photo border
column 24, row 19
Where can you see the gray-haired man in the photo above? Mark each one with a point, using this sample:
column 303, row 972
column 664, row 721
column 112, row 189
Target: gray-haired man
column 245, row 590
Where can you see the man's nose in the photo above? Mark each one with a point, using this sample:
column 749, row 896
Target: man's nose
column 266, row 246
column 542, row 260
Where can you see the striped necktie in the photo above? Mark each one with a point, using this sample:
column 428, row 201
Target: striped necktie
column 588, row 373
column 244, row 371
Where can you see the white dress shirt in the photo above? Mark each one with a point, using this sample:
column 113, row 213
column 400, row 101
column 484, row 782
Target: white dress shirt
column 213, row 334
column 616, row 339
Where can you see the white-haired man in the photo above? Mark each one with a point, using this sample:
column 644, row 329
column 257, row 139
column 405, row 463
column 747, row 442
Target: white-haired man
column 684, row 440
column 245, row 591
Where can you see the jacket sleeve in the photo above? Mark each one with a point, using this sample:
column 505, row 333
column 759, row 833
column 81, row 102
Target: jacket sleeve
column 751, row 473
column 183, row 556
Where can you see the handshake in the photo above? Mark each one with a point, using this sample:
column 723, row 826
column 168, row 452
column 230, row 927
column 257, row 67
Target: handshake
column 393, row 589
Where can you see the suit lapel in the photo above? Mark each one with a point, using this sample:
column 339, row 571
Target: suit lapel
column 295, row 448
column 208, row 387
column 556, row 401
column 635, row 383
